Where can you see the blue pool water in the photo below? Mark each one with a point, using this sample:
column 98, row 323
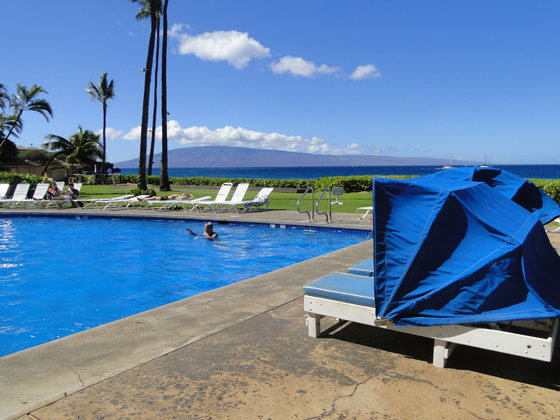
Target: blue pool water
column 59, row 276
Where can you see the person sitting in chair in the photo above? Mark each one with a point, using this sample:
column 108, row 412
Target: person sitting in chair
column 72, row 192
column 54, row 193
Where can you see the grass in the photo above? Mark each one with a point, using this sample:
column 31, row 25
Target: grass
column 278, row 200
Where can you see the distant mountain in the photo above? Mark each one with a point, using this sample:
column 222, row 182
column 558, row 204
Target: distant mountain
column 242, row 157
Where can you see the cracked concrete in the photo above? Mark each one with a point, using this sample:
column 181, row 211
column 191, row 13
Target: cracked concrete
column 267, row 367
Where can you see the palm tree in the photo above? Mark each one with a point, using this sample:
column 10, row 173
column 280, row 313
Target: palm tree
column 102, row 93
column 163, row 175
column 153, row 7
column 25, row 100
column 154, row 115
column 80, row 147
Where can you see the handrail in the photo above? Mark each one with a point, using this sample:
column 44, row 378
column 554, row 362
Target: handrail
column 330, row 205
column 309, row 216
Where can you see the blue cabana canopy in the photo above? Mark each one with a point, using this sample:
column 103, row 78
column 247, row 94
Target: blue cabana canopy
column 517, row 189
column 454, row 248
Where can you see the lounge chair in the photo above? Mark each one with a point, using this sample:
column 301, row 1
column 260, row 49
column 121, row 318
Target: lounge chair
column 221, row 198
column 20, row 194
column 351, row 298
column 261, row 199
column 172, row 204
column 364, row 268
column 38, row 196
column 364, row 209
column 121, row 202
column 236, row 199
column 4, row 190
column 95, row 201
column 467, row 266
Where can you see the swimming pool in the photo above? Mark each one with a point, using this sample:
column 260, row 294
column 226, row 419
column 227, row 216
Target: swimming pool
column 59, row 276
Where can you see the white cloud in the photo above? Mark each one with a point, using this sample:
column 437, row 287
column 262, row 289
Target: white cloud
column 241, row 137
column 369, row 71
column 133, row 134
column 110, row 132
column 300, row 67
column 237, row 48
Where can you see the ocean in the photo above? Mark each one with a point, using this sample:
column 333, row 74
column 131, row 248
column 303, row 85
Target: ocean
column 313, row 172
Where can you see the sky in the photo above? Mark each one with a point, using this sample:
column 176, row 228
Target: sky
column 464, row 79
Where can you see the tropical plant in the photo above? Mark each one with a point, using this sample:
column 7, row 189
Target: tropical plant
column 24, row 100
column 80, row 147
column 153, row 7
column 164, row 178
column 102, row 93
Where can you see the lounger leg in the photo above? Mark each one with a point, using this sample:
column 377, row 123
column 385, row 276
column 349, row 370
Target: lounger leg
column 442, row 351
column 313, row 322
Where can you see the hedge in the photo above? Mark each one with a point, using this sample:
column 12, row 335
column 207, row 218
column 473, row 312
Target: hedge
column 13, row 178
column 349, row 183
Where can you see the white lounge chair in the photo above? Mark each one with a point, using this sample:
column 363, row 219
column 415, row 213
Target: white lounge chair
column 37, row 197
column 221, row 197
column 94, row 201
column 236, row 199
column 171, row 204
column 261, row 199
column 365, row 209
column 351, row 298
column 4, row 190
column 63, row 201
column 20, row 194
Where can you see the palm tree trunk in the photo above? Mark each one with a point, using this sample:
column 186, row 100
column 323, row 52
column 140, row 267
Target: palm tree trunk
column 142, row 184
column 13, row 127
column 48, row 162
column 104, row 138
column 163, row 177
column 154, row 115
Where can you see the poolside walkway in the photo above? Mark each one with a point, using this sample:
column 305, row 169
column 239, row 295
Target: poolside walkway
column 242, row 352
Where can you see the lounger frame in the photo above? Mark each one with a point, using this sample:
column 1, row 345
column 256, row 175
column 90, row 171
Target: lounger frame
column 446, row 337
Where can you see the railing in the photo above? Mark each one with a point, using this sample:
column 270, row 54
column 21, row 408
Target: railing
column 309, row 216
column 315, row 206
column 329, row 214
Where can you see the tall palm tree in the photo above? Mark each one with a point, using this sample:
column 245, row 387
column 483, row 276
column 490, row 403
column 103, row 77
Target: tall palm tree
column 80, row 147
column 154, row 115
column 26, row 100
column 153, row 7
column 102, row 93
column 163, row 174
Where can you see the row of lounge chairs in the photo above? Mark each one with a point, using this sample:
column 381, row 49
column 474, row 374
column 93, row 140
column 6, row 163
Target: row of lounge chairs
column 20, row 196
column 237, row 203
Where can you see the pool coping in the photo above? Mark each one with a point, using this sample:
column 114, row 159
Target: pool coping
column 38, row 376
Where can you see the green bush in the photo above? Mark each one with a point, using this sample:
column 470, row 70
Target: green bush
column 14, row 178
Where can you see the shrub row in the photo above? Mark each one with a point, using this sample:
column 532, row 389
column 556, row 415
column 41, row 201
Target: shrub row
column 14, row 178
column 349, row 183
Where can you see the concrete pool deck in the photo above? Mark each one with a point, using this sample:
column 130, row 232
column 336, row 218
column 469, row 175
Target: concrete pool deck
column 242, row 351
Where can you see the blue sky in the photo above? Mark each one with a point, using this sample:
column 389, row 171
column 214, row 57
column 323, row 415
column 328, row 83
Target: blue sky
column 450, row 79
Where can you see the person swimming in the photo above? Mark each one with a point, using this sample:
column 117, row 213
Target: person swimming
column 208, row 232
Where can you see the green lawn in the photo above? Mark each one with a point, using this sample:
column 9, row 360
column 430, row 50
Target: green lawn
column 278, row 200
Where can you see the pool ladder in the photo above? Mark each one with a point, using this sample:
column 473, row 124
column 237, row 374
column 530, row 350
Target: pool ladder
column 315, row 205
